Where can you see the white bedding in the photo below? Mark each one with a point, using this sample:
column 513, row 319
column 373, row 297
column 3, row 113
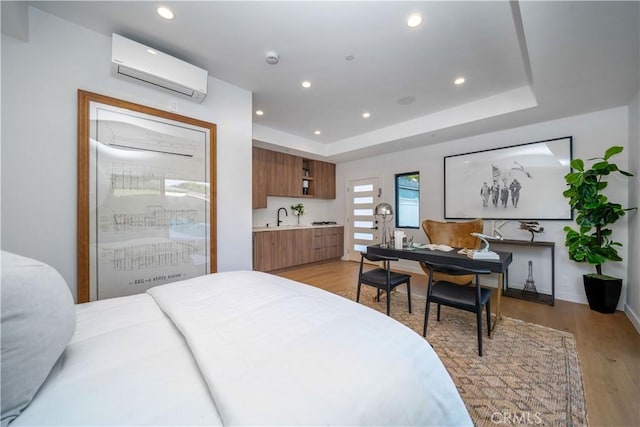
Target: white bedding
column 126, row 365
column 270, row 351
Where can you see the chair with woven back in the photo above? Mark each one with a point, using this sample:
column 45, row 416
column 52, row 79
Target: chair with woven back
column 456, row 235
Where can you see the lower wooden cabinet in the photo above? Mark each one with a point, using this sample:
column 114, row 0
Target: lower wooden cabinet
column 273, row 250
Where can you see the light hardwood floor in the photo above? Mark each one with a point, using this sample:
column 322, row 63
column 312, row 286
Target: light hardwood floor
column 608, row 344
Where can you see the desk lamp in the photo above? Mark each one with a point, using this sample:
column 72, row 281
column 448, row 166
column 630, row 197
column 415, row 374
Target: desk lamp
column 386, row 212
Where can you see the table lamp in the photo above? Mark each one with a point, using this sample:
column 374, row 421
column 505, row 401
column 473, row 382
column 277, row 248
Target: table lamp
column 386, row 212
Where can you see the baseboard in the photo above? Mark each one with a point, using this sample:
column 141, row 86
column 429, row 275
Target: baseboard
column 633, row 317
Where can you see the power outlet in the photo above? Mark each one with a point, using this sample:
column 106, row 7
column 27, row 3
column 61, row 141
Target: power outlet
column 564, row 282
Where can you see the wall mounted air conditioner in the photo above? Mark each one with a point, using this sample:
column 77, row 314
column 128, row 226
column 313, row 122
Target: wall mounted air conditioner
column 139, row 63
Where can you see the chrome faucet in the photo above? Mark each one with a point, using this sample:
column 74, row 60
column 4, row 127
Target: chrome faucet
column 285, row 214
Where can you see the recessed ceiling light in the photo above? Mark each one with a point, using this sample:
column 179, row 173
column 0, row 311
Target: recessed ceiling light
column 366, row 115
column 459, row 80
column 414, row 20
column 349, row 57
column 317, row 132
column 306, row 84
column 152, row 52
column 259, row 113
column 165, row 12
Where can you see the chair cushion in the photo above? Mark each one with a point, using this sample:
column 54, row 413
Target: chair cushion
column 463, row 297
column 378, row 278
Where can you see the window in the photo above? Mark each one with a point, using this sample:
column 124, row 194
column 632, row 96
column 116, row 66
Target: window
column 408, row 200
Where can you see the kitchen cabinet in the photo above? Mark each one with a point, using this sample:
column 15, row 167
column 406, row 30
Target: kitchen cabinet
column 285, row 175
column 281, row 248
column 325, row 180
column 259, row 178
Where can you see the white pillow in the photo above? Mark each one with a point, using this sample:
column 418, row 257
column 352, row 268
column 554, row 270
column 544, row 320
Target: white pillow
column 38, row 320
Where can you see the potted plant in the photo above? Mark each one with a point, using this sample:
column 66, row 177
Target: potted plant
column 592, row 241
column 298, row 211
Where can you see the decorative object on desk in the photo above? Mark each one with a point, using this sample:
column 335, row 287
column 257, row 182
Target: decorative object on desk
column 398, row 239
column 385, row 211
column 519, row 355
column 591, row 242
column 514, row 182
column 530, row 284
column 484, row 252
column 532, row 227
column 434, row 247
column 476, row 254
column 298, row 211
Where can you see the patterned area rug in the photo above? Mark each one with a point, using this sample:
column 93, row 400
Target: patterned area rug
column 528, row 374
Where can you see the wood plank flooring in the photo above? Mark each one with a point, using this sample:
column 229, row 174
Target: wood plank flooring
column 608, row 344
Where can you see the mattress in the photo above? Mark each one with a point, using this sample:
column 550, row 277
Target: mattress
column 243, row 348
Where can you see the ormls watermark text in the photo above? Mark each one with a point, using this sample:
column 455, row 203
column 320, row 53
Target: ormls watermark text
column 519, row 418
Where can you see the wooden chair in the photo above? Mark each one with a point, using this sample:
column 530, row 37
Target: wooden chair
column 468, row 298
column 454, row 234
column 382, row 278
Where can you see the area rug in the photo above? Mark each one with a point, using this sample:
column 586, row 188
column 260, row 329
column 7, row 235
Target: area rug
column 528, row 374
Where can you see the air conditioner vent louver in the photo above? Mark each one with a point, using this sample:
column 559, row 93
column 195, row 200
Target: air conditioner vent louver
column 136, row 62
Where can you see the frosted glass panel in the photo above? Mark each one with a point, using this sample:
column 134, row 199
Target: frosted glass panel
column 363, row 224
column 363, row 212
column 363, row 188
column 362, row 200
column 363, row 236
column 360, row 248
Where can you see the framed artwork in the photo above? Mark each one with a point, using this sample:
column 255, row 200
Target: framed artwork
column 518, row 182
column 146, row 197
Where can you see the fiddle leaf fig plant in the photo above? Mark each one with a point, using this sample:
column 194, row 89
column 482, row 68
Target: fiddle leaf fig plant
column 592, row 241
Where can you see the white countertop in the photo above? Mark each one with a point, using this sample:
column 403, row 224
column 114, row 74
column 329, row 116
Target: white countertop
column 294, row 227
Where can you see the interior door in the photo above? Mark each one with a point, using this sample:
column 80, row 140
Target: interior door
column 362, row 196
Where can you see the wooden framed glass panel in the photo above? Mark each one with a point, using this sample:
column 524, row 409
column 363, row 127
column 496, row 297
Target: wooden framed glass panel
column 146, row 197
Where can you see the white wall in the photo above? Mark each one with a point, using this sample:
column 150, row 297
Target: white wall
column 633, row 288
column 39, row 85
column 314, row 210
column 592, row 134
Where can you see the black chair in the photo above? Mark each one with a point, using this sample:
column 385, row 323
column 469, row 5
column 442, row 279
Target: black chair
column 470, row 298
column 382, row 278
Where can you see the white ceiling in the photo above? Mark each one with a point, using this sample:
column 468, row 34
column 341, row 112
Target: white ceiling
column 524, row 62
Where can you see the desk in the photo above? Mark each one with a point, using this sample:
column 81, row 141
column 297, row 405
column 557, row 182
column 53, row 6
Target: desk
column 499, row 266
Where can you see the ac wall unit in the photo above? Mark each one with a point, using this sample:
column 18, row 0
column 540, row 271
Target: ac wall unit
column 139, row 63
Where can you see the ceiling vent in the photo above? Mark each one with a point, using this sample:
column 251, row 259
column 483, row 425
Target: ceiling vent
column 139, row 63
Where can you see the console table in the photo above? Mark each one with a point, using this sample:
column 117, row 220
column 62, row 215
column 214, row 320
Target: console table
column 530, row 296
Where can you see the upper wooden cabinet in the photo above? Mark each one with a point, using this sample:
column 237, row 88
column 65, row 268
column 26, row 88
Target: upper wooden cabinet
column 259, row 199
column 283, row 174
column 325, row 180
column 280, row 174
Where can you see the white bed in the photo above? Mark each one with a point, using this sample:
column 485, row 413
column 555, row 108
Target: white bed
column 239, row 348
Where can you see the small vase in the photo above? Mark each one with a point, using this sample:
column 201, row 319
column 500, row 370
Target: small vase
column 298, row 216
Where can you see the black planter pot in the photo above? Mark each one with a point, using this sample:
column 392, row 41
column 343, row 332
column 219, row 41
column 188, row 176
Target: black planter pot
column 602, row 292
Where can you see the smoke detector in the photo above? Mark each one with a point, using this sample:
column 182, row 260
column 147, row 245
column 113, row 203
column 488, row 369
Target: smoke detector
column 272, row 58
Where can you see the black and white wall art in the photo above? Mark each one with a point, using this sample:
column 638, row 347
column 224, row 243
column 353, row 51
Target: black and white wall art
column 522, row 181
